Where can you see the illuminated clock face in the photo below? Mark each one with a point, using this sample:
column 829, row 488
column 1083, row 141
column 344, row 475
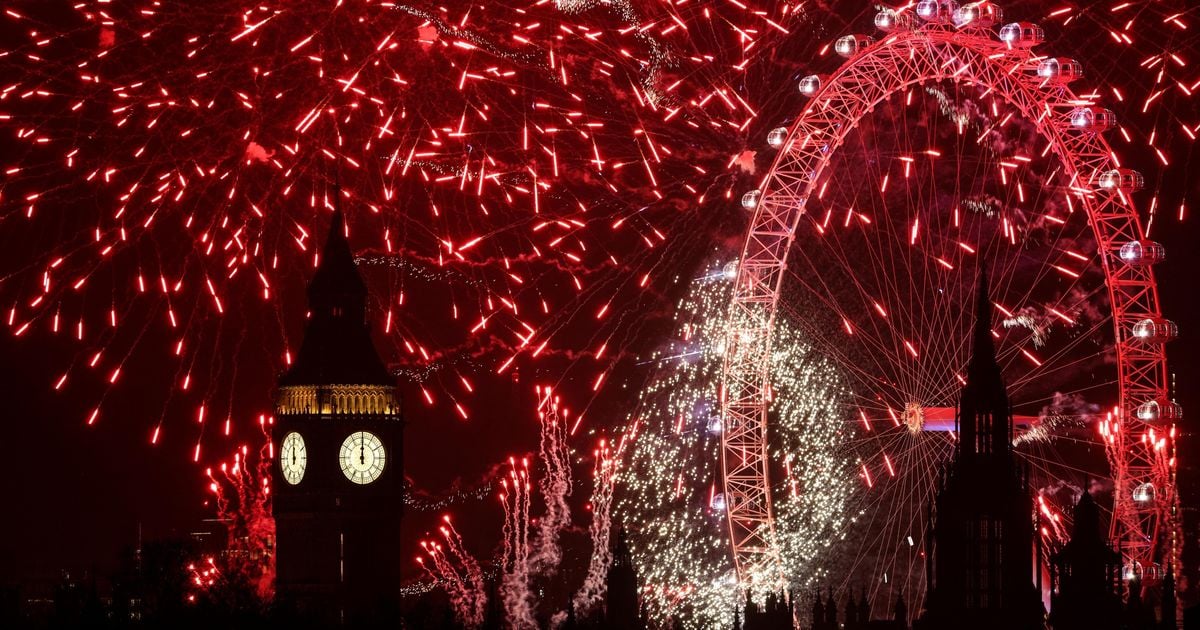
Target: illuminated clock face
column 293, row 458
column 362, row 457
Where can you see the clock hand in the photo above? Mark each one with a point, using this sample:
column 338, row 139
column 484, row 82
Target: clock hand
column 362, row 450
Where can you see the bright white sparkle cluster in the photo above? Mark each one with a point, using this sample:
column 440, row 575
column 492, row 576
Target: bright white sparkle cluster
column 670, row 495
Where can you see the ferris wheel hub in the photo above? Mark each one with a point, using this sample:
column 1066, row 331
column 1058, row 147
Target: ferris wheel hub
column 914, row 417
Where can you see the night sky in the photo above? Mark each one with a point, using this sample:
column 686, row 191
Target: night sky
column 78, row 495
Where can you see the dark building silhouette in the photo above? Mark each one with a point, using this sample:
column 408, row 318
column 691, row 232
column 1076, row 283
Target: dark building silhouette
column 851, row 614
column 824, row 613
column 77, row 603
column 1087, row 587
column 857, row 614
column 621, row 608
column 1169, row 607
column 775, row 613
column 338, row 483
column 1191, row 617
column 818, row 612
column 10, row 606
column 864, row 608
column 493, row 616
column 571, row 622
column 900, row 614
column 979, row 551
column 1138, row 614
column 1085, row 578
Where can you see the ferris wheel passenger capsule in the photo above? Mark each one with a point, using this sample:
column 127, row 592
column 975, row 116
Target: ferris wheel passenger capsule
column 777, row 137
column 1093, row 119
column 936, row 12
column 1144, row 493
column 1155, row 330
column 750, row 200
column 851, row 45
column 1159, row 410
column 1022, row 34
column 1122, row 179
column 1142, row 253
column 889, row 20
column 1060, row 70
column 811, row 84
column 978, row 15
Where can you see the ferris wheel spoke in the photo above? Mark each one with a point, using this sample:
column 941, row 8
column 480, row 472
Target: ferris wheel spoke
column 930, row 183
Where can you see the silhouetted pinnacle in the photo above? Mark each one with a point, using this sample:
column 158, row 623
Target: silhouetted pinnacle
column 337, row 347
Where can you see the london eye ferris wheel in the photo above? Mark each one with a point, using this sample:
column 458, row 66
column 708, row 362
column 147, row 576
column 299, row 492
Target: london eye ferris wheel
column 951, row 142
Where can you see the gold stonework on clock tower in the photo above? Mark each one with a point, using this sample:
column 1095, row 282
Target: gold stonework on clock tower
column 336, row 399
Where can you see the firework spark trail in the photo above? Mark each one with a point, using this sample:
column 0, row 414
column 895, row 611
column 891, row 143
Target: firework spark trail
column 476, row 594
column 604, row 476
column 670, row 495
column 506, row 531
column 445, row 575
column 202, row 134
column 555, row 484
column 457, row 571
column 494, row 169
column 202, row 576
column 250, row 527
column 514, row 583
column 124, row 117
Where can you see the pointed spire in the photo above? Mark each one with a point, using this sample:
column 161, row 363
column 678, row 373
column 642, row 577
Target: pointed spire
column 984, row 419
column 337, row 225
column 1086, row 522
column 337, row 283
column 983, row 350
column 571, row 622
column 622, row 609
column 337, row 347
column 900, row 612
column 620, row 548
column 851, row 609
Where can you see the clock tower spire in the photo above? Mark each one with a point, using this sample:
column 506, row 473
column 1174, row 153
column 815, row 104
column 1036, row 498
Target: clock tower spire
column 339, row 482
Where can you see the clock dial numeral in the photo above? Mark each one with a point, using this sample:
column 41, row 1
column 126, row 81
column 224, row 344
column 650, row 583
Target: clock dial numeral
column 293, row 458
column 362, row 457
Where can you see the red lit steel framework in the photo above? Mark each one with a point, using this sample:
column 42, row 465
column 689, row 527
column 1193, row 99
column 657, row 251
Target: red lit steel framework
column 1139, row 437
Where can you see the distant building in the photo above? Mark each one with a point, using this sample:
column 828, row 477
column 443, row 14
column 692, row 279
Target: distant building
column 338, row 484
column 1085, row 576
column 10, row 606
column 979, row 560
column 857, row 614
column 775, row 613
column 622, row 608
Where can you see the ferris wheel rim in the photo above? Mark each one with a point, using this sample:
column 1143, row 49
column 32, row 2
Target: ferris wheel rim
column 779, row 202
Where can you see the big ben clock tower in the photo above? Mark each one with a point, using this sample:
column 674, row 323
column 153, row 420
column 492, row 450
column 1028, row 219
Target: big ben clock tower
column 338, row 482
